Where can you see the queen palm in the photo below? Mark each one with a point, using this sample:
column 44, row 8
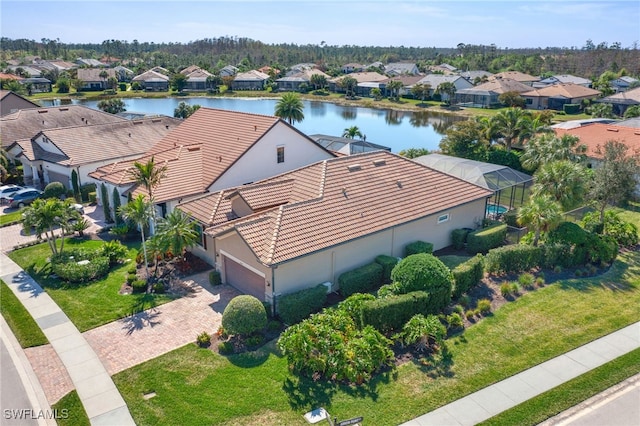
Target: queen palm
column 290, row 107
column 546, row 148
column 564, row 181
column 511, row 125
column 540, row 214
column 139, row 211
column 352, row 132
column 148, row 175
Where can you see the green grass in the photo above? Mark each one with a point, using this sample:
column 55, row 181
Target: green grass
column 74, row 414
column 89, row 305
column 451, row 261
column 193, row 385
column 22, row 324
column 569, row 394
column 11, row 218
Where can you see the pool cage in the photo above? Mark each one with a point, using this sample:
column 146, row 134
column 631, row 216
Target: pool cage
column 510, row 187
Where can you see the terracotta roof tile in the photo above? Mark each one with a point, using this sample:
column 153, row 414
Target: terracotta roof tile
column 597, row 134
column 567, row 90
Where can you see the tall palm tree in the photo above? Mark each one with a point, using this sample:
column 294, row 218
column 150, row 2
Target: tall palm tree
column 394, row 87
column 352, row 132
column 447, row 88
column 139, row 211
column 148, row 175
column 546, row 148
column 511, row 125
column 45, row 216
column 290, row 107
column 540, row 214
column 564, row 181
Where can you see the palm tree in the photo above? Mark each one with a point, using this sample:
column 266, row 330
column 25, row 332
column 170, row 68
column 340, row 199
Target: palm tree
column 148, row 175
column 349, row 85
column 420, row 91
column 178, row 231
column 318, row 81
column 541, row 214
column 103, row 75
column 447, row 88
column 139, row 211
column 511, row 125
column 352, row 132
column 290, row 107
column 564, row 181
column 44, row 216
column 546, row 148
column 394, row 87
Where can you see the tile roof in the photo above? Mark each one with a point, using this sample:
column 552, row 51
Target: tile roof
column 498, row 86
column 597, row 134
column 630, row 97
column 406, row 79
column 565, row 90
column 252, row 75
column 26, row 123
column 199, row 75
column 566, row 78
column 93, row 74
column 101, row 142
column 150, row 76
column 515, row 75
column 435, row 80
column 188, row 70
column 362, row 77
column 332, row 202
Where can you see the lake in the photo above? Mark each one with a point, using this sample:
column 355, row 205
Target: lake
column 396, row 129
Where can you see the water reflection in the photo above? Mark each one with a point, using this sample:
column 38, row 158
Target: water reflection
column 349, row 113
column 393, row 117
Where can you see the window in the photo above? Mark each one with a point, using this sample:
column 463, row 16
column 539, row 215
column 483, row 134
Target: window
column 201, row 237
column 443, row 218
column 280, row 154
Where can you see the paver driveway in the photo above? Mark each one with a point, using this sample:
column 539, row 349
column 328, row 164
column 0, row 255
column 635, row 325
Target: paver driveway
column 133, row 340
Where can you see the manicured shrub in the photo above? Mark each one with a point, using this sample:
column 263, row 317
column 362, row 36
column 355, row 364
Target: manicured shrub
column 458, row 309
column 387, row 263
column 571, row 108
column 330, row 346
column 417, row 247
column 92, row 197
column 483, row 240
column 361, row 280
column 459, row 238
column 79, row 265
column 513, row 258
column 75, row 185
column 469, row 314
column 539, row 281
column 568, row 233
column 115, row 251
column 215, row 278
column 556, row 255
column 484, row 306
column 225, row 348
column 293, row 308
column 132, row 270
column 454, row 321
column 425, row 272
column 423, row 332
column 505, row 289
column 158, row 288
column 274, row 325
column 54, row 190
column 526, row 280
column 106, row 209
column 602, row 248
column 244, row 315
column 139, row 286
column 85, row 190
column 467, row 275
column 203, row 339
column 352, row 305
column 392, row 312
column 388, row 290
column 515, row 288
column 511, row 218
column 254, row 341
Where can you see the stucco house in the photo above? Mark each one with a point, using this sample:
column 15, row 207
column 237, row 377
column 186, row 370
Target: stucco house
column 11, row 102
column 294, row 81
column 215, row 149
column 435, row 80
column 308, row 226
column 562, row 78
column 197, row 80
column 52, row 154
column 152, row 81
column 557, row 95
column 228, row 71
column 250, row 80
column 623, row 100
column 486, row 95
column 517, row 76
column 360, row 77
column 400, row 68
column 95, row 78
column 623, row 83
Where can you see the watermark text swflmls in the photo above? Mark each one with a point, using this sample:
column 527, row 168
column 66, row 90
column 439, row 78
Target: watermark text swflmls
column 29, row 413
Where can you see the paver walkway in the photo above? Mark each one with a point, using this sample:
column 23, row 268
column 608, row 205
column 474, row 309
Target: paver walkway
column 492, row 400
column 101, row 400
column 133, row 340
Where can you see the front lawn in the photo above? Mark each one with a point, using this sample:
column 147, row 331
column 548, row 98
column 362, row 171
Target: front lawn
column 22, row 324
column 87, row 305
column 11, row 218
column 193, row 385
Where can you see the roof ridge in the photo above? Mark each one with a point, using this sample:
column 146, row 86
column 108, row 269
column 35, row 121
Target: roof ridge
column 274, row 235
column 214, row 211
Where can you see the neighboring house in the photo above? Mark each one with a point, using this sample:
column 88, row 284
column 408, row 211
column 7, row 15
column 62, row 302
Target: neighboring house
column 11, row 102
column 594, row 136
column 161, row 70
column 95, row 78
column 623, row 100
column 517, row 76
column 188, row 70
column 269, row 70
column 152, row 81
column 435, row 80
column 30, row 71
column 400, row 68
column 109, row 60
column 630, row 122
column 298, row 68
column 360, row 77
column 5, row 76
column 197, row 80
column 36, row 84
column 557, row 95
column 123, row 74
column 310, row 225
column 250, row 80
column 486, row 95
column 476, row 76
column 352, row 67
column 622, row 84
column 215, row 149
column 228, row 71
column 295, row 81
column 52, row 155
column 562, row 78
column 443, row 69
column 407, row 82
column 347, row 146
column 62, row 65
column 83, row 62
column 572, row 124
column 26, row 123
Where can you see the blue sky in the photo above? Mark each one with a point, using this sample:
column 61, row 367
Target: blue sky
column 425, row 23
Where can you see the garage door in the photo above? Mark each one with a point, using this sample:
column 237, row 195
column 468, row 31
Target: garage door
column 243, row 279
column 58, row 177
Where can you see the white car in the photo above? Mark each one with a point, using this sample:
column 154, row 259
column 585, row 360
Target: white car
column 6, row 191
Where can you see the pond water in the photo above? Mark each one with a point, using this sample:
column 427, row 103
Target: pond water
column 396, row 129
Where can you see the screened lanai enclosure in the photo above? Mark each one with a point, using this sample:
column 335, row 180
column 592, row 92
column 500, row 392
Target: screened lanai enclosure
column 510, row 187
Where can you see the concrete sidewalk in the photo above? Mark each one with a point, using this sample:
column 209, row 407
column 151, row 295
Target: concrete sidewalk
column 100, row 397
column 501, row 396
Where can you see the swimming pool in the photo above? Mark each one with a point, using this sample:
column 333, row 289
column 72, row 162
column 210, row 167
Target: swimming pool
column 495, row 209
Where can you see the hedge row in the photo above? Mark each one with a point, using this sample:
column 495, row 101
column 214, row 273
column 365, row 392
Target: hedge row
column 293, row 308
column 417, row 247
column 361, row 280
column 391, row 313
column 459, row 237
column 467, row 275
column 387, row 263
column 66, row 265
column 513, row 258
column 483, row 240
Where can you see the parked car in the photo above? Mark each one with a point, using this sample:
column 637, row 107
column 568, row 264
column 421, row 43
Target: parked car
column 23, row 197
column 6, row 191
